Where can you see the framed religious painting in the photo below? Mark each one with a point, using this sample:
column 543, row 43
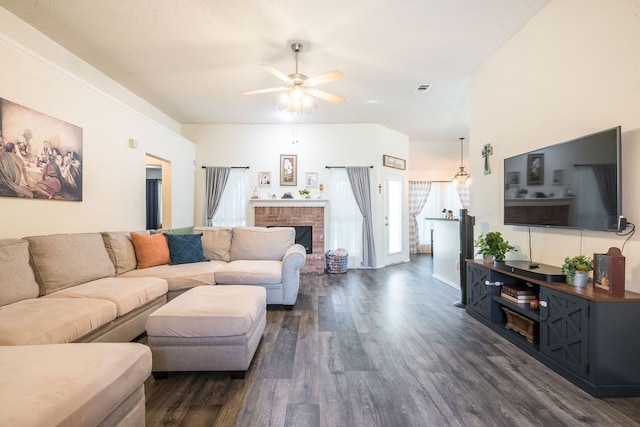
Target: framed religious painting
column 288, row 170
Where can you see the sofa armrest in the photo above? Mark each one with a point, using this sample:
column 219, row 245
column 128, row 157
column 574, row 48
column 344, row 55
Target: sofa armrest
column 294, row 259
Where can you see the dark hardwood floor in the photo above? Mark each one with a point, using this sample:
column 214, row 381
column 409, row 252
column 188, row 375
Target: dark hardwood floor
column 382, row 348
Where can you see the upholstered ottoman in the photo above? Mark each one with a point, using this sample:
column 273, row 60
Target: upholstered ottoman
column 208, row 328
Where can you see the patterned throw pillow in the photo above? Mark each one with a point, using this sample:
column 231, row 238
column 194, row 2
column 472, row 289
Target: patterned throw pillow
column 151, row 249
column 185, row 248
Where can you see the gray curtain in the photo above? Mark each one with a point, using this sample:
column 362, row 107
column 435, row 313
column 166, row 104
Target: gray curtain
column 361, row 187
column 216, row 180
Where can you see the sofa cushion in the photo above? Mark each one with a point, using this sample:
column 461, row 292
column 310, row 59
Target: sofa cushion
column 180, row 230
column 216, row 242
column 71, row 384
column 126, row 293
column 185, row 248
column 209, row 311
column 64, row 260
column 261, row 243
column 151, row 249
column 52, row 320
column 254, row 272
column 181, row 276
column 17, row 281
column 120, row 249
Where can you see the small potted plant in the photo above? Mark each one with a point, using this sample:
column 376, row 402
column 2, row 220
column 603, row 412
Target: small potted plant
column 577, row 270
column 493, row 245
column 305, row 193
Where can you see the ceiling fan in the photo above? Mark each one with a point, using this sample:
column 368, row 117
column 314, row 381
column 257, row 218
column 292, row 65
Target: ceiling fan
column 298, row 88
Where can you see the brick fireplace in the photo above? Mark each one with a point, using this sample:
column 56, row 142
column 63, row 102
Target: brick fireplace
column 292, row 213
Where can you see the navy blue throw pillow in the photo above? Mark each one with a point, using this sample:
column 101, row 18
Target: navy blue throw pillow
column 185, row 248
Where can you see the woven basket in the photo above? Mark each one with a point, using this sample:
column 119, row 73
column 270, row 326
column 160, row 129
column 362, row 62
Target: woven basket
column 336, row 263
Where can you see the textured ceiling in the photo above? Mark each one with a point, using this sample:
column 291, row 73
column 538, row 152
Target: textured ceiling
column 193, row 58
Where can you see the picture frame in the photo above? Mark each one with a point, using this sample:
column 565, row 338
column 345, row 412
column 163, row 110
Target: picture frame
column 608, row 271
column 393, row 162
column 311, row 179
column 288, row 170
column 558, row 177
column 45, row 159
column 535, row 169
column 264, row 179
column 513, row 178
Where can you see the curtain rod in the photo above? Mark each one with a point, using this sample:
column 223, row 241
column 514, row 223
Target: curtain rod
column 340, row 167
column 232, row 167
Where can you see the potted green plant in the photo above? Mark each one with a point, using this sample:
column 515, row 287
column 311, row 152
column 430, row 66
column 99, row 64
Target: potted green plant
column 577, row 270
column 305, row 193
column 493, row 245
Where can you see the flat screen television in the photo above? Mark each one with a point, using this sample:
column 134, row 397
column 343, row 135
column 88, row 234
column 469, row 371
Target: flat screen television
column 573, row 184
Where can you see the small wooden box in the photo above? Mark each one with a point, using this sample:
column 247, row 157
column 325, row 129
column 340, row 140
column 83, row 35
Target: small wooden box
column 522, row 325
column 608, row 274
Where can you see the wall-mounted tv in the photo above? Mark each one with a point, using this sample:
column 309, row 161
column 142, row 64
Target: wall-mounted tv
column 574, row 184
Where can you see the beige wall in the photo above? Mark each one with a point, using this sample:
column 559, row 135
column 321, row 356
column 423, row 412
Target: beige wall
column 40, row 75
column 573, row 70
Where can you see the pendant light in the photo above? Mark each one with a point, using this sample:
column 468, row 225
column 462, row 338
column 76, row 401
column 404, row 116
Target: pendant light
column 462, row 176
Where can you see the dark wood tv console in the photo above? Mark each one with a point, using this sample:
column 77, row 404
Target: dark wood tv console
column 590, row 337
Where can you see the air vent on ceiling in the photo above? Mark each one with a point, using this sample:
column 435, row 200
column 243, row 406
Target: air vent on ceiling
column 423, row 88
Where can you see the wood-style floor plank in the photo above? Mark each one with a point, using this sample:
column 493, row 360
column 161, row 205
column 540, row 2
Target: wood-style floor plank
column 381, row 347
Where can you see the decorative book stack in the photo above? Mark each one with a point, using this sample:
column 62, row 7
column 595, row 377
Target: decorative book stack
column 520, row 294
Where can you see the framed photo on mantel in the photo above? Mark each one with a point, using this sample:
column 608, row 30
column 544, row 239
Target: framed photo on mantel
column 608, row 272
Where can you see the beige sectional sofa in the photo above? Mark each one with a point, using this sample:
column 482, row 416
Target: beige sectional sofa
column 60, row 291
column 85, row 287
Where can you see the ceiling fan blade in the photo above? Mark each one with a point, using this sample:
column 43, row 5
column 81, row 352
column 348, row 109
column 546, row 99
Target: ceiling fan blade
column 326, row 96
column 271, row 89
column 273, row 70
column 325, row 78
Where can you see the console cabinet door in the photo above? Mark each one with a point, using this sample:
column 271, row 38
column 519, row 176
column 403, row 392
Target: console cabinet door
column 479, row 299
column 564, row 330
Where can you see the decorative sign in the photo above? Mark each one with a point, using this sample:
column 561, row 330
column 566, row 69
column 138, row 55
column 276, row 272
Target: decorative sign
column 608, row 272
column 393, row 162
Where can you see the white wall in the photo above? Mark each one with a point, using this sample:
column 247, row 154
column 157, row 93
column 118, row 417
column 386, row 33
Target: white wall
column 574, row 69
column 437, row 160
column 317, row 146
column 39, row 74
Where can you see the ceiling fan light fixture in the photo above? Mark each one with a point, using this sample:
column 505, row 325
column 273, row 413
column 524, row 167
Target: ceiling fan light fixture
column 299, row 92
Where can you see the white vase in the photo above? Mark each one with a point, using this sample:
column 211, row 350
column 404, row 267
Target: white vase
column 581, row 278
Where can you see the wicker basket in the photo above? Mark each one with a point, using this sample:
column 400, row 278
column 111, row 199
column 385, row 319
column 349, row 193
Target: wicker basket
column 336, row 263
column 522, row 325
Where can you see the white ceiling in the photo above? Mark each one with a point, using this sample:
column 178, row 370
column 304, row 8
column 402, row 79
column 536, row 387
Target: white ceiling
column 192, row 58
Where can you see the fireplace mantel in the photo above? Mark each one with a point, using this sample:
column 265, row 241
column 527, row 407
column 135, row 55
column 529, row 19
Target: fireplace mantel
column 289, row 202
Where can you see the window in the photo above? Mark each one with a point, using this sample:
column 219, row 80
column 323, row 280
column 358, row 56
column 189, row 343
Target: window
column 233, row 205
column 345, row 222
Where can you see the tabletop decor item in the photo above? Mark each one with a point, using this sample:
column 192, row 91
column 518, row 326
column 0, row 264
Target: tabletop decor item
column 608, row 274
column 493, row 245
column 577, row 270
